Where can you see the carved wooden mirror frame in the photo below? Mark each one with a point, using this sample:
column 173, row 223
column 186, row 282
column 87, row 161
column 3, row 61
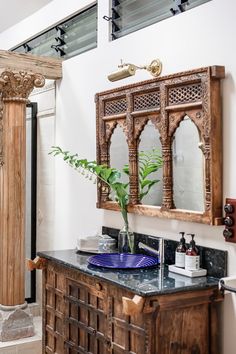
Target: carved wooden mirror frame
column 165, row 101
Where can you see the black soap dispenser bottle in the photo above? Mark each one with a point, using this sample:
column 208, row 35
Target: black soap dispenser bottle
column 180, row 252
column 192, row 258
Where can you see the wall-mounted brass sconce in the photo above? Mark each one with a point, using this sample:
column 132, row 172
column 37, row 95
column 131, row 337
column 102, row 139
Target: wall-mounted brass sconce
column 127, row 69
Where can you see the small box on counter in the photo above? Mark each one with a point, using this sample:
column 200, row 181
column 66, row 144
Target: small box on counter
column 188, row 273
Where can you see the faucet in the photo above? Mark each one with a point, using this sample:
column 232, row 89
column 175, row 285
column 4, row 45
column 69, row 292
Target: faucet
column 152, row 251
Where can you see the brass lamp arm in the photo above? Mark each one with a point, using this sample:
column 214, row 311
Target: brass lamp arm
column 154, row 67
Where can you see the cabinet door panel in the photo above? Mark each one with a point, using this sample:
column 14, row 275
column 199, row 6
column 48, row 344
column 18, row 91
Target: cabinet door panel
column 128, row 334
column 86, row 316
column 53, row 309
column 184, row 331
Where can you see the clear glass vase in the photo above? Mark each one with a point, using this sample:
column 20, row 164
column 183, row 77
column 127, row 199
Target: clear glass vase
column 126, row 240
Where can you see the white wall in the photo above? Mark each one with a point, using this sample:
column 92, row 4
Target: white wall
column 200, row 37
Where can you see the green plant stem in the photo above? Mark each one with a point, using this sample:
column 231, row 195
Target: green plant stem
column 109, row 176
column 92, row 173
column 125, row 218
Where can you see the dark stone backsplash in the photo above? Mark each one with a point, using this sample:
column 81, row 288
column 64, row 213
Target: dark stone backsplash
column 214, row 260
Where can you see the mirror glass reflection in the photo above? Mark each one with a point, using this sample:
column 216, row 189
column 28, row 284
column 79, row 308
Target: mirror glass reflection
column 188, row 167
column 119, row 154
column 150, row 166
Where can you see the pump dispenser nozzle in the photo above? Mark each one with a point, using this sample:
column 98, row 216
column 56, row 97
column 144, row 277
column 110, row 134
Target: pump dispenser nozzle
column 182, row 233
column 192, row 242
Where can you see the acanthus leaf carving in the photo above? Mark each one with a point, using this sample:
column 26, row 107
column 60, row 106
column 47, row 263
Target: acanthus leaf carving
column 18, row 85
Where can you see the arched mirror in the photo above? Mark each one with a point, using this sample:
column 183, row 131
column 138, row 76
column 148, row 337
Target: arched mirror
column 179, row 116
column 188, row 167
column 150, row 166
column 119, row 156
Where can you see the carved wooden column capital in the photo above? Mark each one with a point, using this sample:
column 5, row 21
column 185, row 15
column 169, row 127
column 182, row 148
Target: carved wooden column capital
column 17, row 85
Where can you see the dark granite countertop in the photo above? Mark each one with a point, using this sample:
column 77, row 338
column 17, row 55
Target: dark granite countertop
column 144, row 282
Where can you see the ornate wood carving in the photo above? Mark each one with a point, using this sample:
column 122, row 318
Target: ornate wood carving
column 167, row 202
column 139, row 125
column 165, row 101
column 85, row 314
column 17, row 86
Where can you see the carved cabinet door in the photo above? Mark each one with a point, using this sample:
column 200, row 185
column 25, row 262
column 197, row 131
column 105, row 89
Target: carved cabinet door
column 86, row 318
column 134, row 334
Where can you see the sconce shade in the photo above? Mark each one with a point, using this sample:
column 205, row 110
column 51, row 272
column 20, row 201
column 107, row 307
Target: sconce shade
column 123, row 73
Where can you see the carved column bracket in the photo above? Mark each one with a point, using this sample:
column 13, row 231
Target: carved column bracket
column 133, row 306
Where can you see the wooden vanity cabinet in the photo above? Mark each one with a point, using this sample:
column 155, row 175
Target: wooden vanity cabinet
column 84, row 314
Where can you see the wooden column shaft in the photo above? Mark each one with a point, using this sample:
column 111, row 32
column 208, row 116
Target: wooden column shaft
column 15, row 88
column 12, row 204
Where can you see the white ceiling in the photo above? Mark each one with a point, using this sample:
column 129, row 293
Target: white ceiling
column 14, row 11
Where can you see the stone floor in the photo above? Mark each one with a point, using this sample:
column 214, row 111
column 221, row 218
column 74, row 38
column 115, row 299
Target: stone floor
column 31, row 345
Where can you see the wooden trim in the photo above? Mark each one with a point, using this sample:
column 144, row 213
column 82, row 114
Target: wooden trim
column 157, row 211
column 50, row 68
column 183, row 107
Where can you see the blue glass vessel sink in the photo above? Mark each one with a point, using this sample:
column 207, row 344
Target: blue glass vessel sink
column 122, row 260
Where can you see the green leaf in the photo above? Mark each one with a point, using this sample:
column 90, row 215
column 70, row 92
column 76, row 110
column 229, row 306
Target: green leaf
column 98, row 169
column 148, row 182
column 125, row 169
column 149, row 170
column 120, row 194
column 149, row 161
column 114, row 176
column 105, row 173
